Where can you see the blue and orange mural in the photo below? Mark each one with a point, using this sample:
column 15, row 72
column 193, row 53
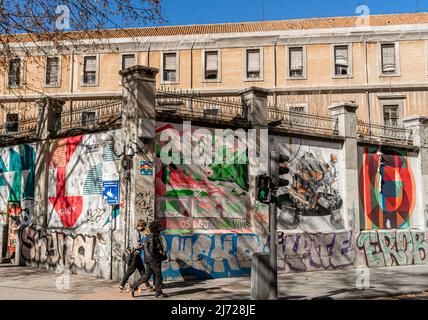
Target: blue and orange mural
column 194, row 197
column 386, row 188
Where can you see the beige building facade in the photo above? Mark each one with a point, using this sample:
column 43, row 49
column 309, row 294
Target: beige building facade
column 379, row 62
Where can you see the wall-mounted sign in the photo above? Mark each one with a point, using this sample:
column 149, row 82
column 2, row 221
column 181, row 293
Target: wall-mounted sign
column 146, row 168
column 111, row 192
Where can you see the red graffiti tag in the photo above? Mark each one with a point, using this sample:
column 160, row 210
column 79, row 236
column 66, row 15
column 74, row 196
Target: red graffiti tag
column 68, row 208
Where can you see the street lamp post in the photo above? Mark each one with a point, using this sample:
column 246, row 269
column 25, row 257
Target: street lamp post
column 126, row 163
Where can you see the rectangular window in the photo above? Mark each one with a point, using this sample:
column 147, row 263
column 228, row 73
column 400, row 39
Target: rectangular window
column 170, row 67
column 296, row 62
column 389, row 59
column 90, row 70
column 14, row 72
column 12, row 122
column 253, row 64
column 88, row 118
column 211, row 65
column 390, row 115
column 341, row 61
column 52, row 71
column 299, row 109
column 128, row 60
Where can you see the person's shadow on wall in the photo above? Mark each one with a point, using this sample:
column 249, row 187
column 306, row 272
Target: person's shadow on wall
column 190, row 275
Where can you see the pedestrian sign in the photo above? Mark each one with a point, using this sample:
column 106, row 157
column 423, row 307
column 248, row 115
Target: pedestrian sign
column 111, row 192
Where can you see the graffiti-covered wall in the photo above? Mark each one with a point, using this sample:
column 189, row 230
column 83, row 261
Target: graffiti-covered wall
column 313, row 200
column 205, row 207
column 83, row 172
column 387, row 188
column 17, row 183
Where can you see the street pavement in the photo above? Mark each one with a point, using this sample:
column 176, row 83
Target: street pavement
column 409, row 282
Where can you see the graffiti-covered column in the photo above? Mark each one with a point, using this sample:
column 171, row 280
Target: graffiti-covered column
column 138, row 120
column 345, row 112
column 419, row 130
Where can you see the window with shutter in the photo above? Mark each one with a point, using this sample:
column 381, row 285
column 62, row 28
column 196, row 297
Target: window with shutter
column 341, row 60
column 296, row 62
column 14, row 72
column 52, row 71
column 253, row 64
column 90, row 70
column 211, row 65
column 169, row 67
column 388, row 58
column 128, row 60
column 390, row 115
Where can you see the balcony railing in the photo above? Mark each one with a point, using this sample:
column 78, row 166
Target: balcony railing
column 384, row 134
column 89, row 114
column 303, row 122
column 23, row 128
column 189, row 106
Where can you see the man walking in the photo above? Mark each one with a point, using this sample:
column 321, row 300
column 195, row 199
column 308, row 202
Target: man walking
column 154, row 254
column 134, row 260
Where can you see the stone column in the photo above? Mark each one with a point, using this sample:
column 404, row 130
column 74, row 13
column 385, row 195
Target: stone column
column 345, row 112
column 42, row 164
column 138, row 122
column 419, row 133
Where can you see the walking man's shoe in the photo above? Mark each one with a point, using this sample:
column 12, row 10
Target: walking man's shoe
column 122, row 289
column 132, row 292
column 161, row 295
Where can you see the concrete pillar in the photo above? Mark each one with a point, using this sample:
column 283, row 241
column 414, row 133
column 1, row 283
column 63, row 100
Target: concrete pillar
column 138, row 123
column 419, row 130
column 345, row 112
column 255, row 101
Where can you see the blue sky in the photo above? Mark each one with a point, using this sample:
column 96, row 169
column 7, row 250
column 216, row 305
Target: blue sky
column 218, row 11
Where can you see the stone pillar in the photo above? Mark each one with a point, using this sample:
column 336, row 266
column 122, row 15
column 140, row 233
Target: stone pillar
column 255, row 102
column 419, row 131
column 345, row 112
column 42, row 164
column 138, row 123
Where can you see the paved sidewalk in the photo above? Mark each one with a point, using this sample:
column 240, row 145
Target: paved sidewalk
column 30, row 283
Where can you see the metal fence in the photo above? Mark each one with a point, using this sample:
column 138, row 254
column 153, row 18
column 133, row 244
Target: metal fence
column 89, row 114
column 384, row 134
column 182, row 105
column 303, row 122
column 22, row 128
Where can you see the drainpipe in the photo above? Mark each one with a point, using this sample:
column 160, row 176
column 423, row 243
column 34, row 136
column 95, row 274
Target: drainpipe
column 275, row 73
column 72, row 83
column 148, row 55
column 367, row 79
column 191, row 66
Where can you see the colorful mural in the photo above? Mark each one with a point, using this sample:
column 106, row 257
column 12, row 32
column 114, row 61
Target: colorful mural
column 17, row 177
column 386, row 189
column 77, row 168
column 312, row 201
column 196, row 197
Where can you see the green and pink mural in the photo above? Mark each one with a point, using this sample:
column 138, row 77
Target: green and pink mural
column 202, row 197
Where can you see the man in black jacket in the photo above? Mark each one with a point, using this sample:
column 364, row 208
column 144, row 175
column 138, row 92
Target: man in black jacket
column 154, row 254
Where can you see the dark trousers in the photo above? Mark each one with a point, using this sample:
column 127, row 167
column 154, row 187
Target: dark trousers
column 136, row 263
column 152, row 268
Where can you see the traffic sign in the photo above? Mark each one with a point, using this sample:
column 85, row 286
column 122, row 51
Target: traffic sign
column 111, row 192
